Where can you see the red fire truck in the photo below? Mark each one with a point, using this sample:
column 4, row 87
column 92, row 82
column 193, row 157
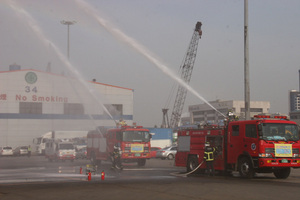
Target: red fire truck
column 260, row 145
column 134, row 142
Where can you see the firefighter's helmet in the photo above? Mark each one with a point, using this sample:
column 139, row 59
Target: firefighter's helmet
column 117, row 146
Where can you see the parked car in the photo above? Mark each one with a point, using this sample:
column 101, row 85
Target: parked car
column 168, row 152
column 21, row 151
column 6, row 151
column 81, row 153
column 153, row 151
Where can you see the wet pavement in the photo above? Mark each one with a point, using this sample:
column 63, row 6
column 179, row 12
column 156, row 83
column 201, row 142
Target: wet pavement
column 38, row 169
column 36, row 178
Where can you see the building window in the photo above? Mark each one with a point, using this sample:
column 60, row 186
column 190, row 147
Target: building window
column 258, row 110
column 225, row 110
column 30, row 108
column 199, row 119
column 114, row 109
column 198, row 113
column 210, row 111
column 251, row 131
column 211, row 118
column 73, row 109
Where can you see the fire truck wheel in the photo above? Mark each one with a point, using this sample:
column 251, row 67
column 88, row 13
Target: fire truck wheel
column 192, row 163
column 246, row 168
column 282, row 173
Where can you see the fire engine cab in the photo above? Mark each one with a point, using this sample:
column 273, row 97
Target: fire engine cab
column 260, row 145
column 134, row 142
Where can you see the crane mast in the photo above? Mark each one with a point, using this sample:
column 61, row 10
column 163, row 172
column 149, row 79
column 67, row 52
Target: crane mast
column 186, row 72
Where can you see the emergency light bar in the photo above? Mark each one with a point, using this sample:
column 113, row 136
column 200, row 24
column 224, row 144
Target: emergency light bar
column 268, row 116
column 280, row 117
column 261, row 116
column 125, row 127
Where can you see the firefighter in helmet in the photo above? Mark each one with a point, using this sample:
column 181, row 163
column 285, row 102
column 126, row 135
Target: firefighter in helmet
column 116, row 157
column 290, row 136
column 209, row 158
column 122, row 122
column 232, row 117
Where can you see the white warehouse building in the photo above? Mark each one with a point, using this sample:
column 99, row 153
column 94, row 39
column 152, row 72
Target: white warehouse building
column 34, row 102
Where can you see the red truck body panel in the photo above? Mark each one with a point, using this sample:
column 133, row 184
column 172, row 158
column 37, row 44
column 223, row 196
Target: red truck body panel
column 134, row 143
column 251, row 139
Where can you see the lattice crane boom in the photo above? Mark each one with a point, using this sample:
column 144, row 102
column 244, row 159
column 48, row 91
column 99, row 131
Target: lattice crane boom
column 186, row 72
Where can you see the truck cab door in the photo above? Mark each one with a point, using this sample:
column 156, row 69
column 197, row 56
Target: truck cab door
column 251, row 140
column 234, row 144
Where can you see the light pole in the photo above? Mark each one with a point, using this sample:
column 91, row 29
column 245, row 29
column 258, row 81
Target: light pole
column 246, row 62
column 68, row 23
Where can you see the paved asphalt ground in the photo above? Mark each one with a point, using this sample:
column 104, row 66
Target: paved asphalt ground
column 154, row 181
column 180, row 188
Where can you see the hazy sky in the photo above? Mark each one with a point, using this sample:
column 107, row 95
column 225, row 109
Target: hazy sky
column 165, row 28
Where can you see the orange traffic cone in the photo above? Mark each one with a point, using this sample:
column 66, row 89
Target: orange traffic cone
column 102, row 175
column 89, row 176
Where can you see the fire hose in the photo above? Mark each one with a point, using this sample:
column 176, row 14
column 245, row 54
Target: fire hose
column 185, row 174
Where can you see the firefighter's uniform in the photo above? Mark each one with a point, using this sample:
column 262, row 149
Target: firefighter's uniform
column 122, row 123
column 209, row 159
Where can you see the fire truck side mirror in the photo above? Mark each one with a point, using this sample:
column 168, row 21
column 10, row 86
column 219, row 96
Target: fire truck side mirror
column 151, row 134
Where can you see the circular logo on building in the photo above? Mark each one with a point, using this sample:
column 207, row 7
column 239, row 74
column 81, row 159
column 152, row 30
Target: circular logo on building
column 31, row 77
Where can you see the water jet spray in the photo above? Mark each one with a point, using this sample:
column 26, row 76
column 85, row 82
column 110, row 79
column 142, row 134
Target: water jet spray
column 25, row 16
column 118, row 34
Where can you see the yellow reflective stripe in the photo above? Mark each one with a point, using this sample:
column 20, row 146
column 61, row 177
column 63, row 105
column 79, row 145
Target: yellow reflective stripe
column 209, row 156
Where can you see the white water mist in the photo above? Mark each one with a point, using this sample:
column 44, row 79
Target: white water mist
column 27, row 18
column 117, row 33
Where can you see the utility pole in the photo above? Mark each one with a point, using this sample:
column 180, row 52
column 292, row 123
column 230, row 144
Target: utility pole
column 68, row 23
column 246, row 62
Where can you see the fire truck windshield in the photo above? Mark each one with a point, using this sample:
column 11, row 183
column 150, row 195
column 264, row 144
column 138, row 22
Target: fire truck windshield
column 66, row 146
column 136, row 136
column 286, row 132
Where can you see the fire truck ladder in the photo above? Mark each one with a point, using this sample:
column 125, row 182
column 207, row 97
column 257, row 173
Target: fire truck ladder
column 186, row 72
